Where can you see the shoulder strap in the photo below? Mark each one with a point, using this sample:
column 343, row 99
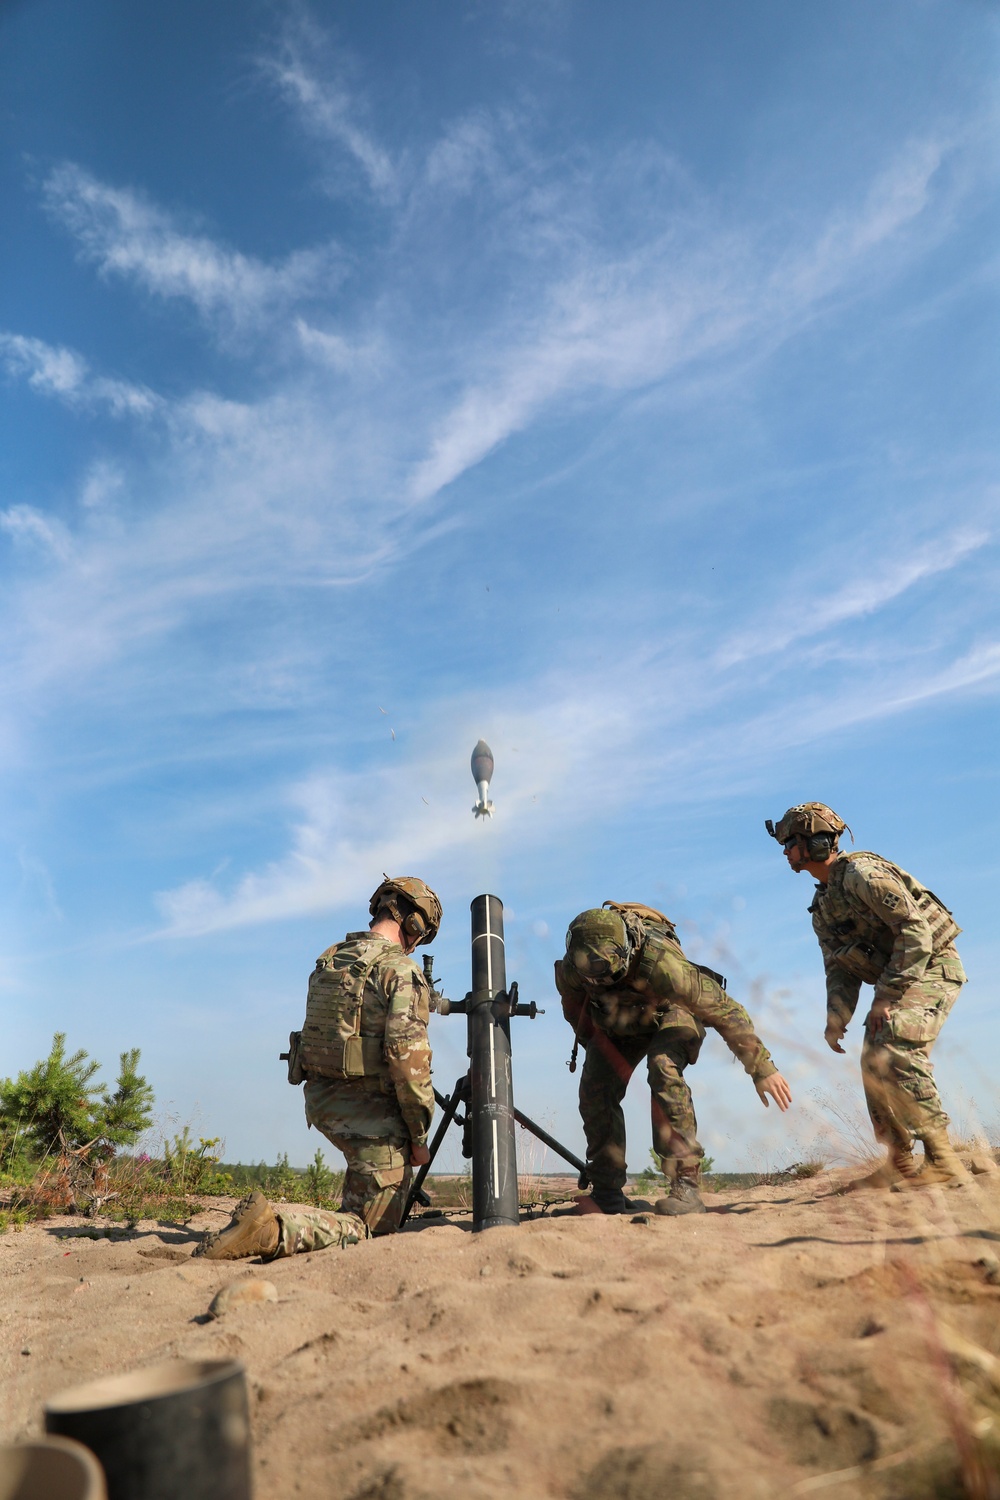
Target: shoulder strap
column 362, row 968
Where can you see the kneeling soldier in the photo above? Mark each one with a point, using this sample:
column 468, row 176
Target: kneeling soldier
column 365, row 1059
column 629, row 993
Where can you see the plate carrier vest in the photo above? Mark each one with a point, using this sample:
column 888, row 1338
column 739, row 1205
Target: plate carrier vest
column 332, row 1045
column 866, row 942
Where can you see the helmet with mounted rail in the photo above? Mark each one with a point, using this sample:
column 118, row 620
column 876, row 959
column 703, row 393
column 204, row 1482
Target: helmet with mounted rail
column 412, row 904
column 813, row 825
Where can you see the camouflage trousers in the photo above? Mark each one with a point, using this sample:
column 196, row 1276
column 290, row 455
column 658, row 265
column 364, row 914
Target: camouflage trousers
column 365, row 1123
column 302, row 1228
column 605, row 1077
column 896, row 1070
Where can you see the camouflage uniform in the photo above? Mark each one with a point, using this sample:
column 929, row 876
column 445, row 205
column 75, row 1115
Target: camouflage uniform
column 877, row 925
column 302, row 1228
column 367, row 1063
column 657, row 1011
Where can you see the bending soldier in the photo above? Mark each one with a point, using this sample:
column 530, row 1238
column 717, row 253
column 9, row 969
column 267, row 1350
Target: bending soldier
column 364, row 1056
column 877, row 925
column 629, row 993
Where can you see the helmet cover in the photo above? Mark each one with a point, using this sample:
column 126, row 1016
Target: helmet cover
column 416, row 896
column 598, row 946
column 806, row 819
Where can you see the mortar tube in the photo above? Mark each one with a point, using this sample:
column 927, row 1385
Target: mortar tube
column 491, row 1108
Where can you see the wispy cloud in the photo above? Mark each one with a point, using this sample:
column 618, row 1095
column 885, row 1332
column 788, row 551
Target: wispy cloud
column 337, row 352
column 900, row 195
column 326, row 105
column 125, row 235
column 620, row 322
column 467, row 151
column 816, row 604
column 60, row 372
column 26, row 524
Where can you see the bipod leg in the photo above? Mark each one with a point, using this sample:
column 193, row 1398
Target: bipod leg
column 459, row 1095
column 554, row 1145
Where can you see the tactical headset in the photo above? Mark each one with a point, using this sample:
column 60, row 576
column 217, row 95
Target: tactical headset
column 818, row 846
column 412, row 904
column 414, row 925
column 411, row 922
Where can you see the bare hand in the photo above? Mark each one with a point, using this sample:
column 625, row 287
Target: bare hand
column 778, row 1089
column 878, row 1016
column 833, row 1036
column 419, row 1155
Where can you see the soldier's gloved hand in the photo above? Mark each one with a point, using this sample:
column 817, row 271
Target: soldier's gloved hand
column 419, row 1155
column 878, row 1015
column 833, row 1035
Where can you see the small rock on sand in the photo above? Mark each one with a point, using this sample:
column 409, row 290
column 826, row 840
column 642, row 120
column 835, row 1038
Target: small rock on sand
column 242, row 1294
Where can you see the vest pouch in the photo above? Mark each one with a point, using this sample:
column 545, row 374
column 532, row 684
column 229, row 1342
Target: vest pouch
column 296, row 1072
column 362, row 1057
column 862, row 960
column 348, row 1057
column 354, row 1058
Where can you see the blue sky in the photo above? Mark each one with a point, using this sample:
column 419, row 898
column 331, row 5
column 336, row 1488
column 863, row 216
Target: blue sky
column 618, row 384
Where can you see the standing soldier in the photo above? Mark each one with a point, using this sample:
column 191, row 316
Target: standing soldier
column 364, row 1056
column 629, row 993
column 879, row 926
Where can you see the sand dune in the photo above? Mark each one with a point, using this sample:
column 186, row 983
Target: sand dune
column 794, row 1341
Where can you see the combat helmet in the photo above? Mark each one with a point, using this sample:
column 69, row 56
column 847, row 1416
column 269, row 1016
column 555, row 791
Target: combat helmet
column 817, row 826
column 599, row 946
column 413, row 905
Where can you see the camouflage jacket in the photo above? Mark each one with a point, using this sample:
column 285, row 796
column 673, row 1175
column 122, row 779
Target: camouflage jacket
column 663, row 990
column 876, row 925
column 366, row 1016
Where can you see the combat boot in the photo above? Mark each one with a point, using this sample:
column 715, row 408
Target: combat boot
column 899, row 1170
column 942, row 1167
column 610, row 1201
column 253, row 1230
column 684, row 1195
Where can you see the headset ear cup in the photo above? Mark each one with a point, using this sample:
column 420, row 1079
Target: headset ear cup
column 819, row 845
column 414, row 925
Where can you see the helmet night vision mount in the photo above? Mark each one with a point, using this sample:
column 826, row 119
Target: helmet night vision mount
column 815, row 826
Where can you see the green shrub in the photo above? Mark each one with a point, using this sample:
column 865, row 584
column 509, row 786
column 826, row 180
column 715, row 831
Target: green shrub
column 187, row 1168
column 319, row 1180
column 57, row 1106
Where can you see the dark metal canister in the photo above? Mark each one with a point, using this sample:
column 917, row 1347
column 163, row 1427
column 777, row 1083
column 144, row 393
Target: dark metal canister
column 172, row 1430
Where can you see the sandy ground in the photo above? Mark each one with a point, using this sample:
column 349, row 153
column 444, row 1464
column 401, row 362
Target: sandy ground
column 793, row 1341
